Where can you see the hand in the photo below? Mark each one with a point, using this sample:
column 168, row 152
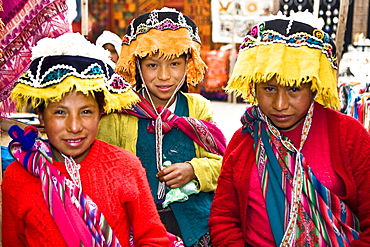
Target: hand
column 177, row 175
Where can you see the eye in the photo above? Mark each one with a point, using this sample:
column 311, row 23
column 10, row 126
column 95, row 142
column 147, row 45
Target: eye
column 294, row 89
column 269, row 89
column 151, row 65
column 59, row 112
column 87, row 112
column 175, row 63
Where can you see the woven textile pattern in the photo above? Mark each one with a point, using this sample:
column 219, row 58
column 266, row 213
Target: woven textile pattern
column 25, row 24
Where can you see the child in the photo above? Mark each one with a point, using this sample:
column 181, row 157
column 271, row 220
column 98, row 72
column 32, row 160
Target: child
column 73, row 189
column 111, row 42
column 160, row 56
column 297, row 172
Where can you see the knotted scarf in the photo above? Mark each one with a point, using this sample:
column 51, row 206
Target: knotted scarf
column 301, row 210
column 204, row 133
column 78, row 218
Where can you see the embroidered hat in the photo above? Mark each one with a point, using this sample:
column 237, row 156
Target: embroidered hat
column 70, row 62
column 166, row 31
column 292, row 51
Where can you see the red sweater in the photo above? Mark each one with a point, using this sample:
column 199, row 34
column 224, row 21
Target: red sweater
column 114, row 179
column 349, row 145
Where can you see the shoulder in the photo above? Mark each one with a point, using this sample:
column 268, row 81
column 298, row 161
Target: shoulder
column 197, row 99
column 240, row 145
column 19, row 184
column 346, row 125
column 199, row 107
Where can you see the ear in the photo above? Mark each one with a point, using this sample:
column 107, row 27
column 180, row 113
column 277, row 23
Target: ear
column 41, row 118
column 314, row 94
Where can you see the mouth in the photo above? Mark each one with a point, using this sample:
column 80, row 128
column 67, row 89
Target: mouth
column 74, row 142
column 164, row 87
column 281, row 118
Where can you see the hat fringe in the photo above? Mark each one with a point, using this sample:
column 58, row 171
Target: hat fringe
column 23, row 94
column 168, row 44
column 244, row 86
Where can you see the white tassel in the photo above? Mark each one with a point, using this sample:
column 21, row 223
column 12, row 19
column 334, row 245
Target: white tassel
column 158, row 147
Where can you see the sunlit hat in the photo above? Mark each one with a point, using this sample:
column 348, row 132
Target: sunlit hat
column 70, row 62
column 167, row 32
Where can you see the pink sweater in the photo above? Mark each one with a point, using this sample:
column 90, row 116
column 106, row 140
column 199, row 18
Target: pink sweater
column 349, row 146
column 111, row 176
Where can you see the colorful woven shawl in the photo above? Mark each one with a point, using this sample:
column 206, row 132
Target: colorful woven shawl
column 301, row 210
column 204, row 133
column 78, row 218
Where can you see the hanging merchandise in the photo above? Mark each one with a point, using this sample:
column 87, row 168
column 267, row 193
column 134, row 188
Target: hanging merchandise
column 232, row 19
column 354, row 85
column 218, row 70
column 25, row 23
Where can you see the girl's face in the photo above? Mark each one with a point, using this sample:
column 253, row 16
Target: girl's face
column 113, row 52
column 72, row 124
column 162, row 76
column 285, row 106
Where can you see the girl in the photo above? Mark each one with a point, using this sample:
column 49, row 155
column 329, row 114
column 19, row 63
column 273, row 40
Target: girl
column 160, row 56
column 297, row 172
column 72, row 189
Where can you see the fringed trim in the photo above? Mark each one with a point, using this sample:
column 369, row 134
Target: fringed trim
column 244, row 86
column 23, row 94
column 169, row 44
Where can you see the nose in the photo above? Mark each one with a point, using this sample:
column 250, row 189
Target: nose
column 164, row 73
column 281, row 100
column 74, row 124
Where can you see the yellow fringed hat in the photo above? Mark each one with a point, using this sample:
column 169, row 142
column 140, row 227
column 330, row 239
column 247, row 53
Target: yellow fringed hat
column 50, row 77
column 292, row 51
column 166, row 31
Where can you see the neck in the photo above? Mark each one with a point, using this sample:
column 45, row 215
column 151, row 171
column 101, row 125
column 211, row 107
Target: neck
column 293, row 126
column 157, row 102
column 58, row 157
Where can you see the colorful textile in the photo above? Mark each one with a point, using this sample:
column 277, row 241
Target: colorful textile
column 125, row 199
column 122, row 130
column 205, row 133
column 304, row 212
column 290, row 41
column 76, row 215
column 130, row 132
column 26, row 22
column 152, row 32
column 348, row 157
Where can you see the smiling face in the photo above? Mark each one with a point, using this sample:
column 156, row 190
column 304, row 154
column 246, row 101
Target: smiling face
column 285, row 106
column 162, row 76
column 72, row 124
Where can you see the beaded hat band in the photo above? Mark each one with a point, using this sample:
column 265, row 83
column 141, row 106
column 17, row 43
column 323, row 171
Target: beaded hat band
column 167, row 32
column 292, row 51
